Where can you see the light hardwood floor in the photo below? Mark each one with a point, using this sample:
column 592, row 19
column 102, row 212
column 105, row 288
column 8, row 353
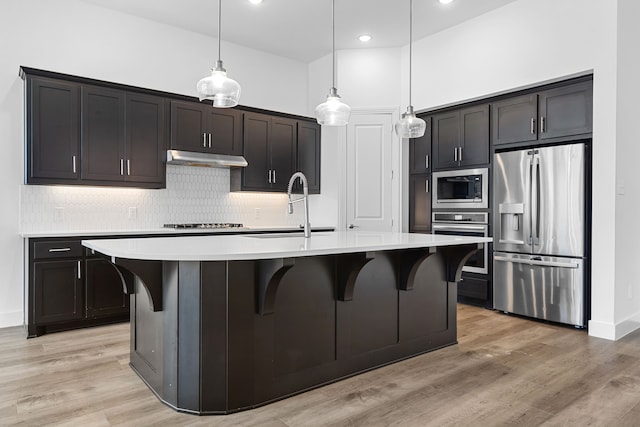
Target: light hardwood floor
column 504, row 371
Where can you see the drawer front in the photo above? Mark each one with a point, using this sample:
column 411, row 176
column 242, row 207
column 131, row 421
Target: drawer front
column 57, row 249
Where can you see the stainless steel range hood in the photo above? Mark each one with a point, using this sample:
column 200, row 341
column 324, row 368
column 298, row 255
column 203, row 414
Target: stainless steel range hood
column 190, row 158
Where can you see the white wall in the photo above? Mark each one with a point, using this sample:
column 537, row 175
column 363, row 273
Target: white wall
column 365, row 78
column 76, row 38
column 627, row 285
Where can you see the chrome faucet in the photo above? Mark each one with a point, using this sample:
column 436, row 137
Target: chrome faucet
column 305, row 198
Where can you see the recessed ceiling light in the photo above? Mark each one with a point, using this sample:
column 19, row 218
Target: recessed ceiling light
column 255, row 1
column 445, row 1
column 364, row 38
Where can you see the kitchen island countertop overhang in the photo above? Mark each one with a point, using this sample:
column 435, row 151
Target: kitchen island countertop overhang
column 265, row 246
column 221, row 324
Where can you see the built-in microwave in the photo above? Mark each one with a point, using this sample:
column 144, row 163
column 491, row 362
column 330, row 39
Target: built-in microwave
column 461, row 189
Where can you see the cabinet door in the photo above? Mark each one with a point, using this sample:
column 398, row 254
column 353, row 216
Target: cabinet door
column 102, row 134
column 475, row 136
column 57, row 291
column 145, row 138
column 188, row 124
column 104, row 291
column 419, row 204
column 420, row 151
column 514, row 120
column 283, row 143
column 566, row 111
column 308, row 154
column 225, row 128
column 53, row 130
column 446, row 139
column 256, row 176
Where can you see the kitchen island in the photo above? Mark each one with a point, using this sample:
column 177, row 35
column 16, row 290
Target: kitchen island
column 225, row 323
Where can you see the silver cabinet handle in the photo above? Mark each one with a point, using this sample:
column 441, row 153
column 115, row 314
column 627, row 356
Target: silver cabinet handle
column 542, row 129
column 426, row 161
column 459, row 227
column 426, row 185
column 121, row 166
column 73, row 163
column 79, row 273
column 274, row 176
column 269, row 179
column 533, row 126
column 59, row 249
column 460, row 155
column 128, row 167
column 455, row 154
column 204, row 140
column 209, row 140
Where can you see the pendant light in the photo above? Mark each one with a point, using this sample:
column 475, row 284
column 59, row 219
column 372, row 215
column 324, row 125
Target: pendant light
column 409, row 125
column 333, row 112
column 223, row 91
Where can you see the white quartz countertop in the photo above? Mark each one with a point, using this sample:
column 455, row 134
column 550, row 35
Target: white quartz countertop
column 267, row 246
column 167, row 231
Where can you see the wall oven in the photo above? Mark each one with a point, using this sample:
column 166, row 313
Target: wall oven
column 461, row 189
column 465, row 224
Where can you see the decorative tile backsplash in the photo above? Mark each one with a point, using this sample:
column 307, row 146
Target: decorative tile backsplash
column 192, row 195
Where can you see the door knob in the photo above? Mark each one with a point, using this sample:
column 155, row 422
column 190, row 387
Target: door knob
column 353, row 226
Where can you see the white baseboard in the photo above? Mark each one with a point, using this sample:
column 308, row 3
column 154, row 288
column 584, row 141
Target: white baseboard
column 614, row 331
column 12, row 318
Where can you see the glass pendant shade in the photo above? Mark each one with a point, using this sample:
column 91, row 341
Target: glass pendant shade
column 223, row 91
column 333, row 112
column 410, row 126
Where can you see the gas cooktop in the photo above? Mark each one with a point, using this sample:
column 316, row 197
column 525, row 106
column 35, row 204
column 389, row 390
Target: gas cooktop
column 205, row 225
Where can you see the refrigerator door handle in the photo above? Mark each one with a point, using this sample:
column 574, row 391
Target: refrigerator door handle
column 536, row 262
column 535, row 200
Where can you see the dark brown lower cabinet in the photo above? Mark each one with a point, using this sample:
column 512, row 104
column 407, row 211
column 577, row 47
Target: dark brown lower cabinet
column 475, row 290
column 57, row 291
column 69, row 289
column 104, row 292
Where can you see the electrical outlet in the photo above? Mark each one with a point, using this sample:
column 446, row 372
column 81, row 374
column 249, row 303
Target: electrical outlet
column 256, row 213
column 58, row 214
column 133, row 212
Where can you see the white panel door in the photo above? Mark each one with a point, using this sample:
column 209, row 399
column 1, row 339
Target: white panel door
column 369, row 172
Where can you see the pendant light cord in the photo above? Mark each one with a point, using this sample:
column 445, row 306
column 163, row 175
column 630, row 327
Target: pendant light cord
column 333, row 43
column 410, row 40
column 219, row 25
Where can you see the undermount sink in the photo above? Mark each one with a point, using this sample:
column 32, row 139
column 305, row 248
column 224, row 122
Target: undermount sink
column 276, row 236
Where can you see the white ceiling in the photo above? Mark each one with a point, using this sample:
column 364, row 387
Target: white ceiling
column 301, row 29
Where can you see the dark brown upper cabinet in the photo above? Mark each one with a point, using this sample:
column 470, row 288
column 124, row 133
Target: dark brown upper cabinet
column 53, row 131
column 81, row 133
column 122, row 136
column 461, row 137
column 420, row 151
column 102, row 134
column 554, row 113
column 202, row 128
column 269, row 148
column 145, row 139
column 308, row 155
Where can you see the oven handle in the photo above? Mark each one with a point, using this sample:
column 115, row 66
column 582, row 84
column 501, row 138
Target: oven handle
column 461, row 227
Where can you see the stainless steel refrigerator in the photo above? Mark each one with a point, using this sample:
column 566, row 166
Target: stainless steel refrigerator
column 539, row 233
